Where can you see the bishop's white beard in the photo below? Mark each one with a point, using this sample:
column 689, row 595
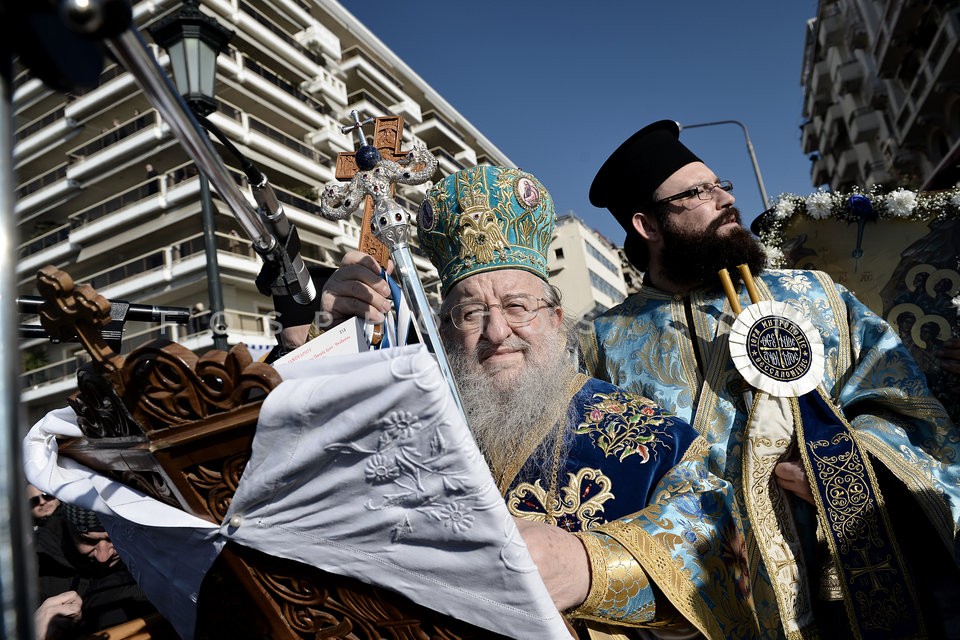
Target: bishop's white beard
column 502, row 415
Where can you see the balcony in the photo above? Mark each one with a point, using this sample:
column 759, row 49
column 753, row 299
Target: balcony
column 59, row 378
column 292, row 98
column 320, row 40
column 273, row 39
column 437, row 132
column 832, row 124
column 467, row 157
column 364, row 74
column 810, row 135
column 366, row 104
column 328, row 85
column 820, row 81
column 831, row 26
column 448, row 163
column 849, row 76
column 329, row 138
column 847, row 168
column 819, row 171
column 409, row 109
column 898, row 28
column 865, row 124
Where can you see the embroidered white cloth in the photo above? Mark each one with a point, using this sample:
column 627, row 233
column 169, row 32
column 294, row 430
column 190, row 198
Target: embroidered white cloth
column 365, row 468
column 361, row 466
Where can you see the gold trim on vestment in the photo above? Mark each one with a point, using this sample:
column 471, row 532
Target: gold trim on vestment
column 615, row 575
column 660, row 566
column 881, row 509
column 844, row 356
column 663, row 570
column 598, row 567
column 918, row 483
column 769, row 432
column 704, row 408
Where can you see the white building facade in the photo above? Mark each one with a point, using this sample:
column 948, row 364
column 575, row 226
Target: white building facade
column 585, row 266
column 881, row 94
column 87, row 201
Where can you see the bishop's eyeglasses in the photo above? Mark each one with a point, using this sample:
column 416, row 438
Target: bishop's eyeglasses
column 705, row 191
column 519, row 309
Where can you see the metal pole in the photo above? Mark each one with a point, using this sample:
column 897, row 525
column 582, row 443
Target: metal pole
column 753, row 156
column 17, row 563
column 217, row 321
column 130, row 49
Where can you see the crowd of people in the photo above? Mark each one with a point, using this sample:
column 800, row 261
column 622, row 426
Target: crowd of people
column 83, row 587
column 661, row 492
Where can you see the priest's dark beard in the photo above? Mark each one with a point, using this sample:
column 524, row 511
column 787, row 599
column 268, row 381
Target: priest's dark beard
column 695, row 258
column 503, row 416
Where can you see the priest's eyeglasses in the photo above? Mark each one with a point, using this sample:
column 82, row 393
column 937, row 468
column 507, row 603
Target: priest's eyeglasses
column 705, row 191
column 518, row 309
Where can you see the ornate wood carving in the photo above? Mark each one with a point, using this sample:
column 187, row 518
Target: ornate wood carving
column 180, row 428
column 166, row 385
column 318, row 605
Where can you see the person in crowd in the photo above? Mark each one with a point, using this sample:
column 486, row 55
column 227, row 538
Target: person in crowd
column 42, row 505
column 152, row 184
column 83, row 585
column 610, row 492
column 850, row 494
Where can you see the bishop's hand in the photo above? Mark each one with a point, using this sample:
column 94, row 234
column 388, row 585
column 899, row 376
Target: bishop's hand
column 356, row 290
column 561, row 560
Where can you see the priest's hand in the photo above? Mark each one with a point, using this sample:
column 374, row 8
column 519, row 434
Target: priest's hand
column 356, row 290
column 562, row 561
column 949, row 354
column 791, row 477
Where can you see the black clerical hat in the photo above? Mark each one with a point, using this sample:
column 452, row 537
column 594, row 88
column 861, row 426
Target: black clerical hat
column 627, row 180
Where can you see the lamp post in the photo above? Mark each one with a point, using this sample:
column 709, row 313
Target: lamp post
column 753, row 156
column 193, row 41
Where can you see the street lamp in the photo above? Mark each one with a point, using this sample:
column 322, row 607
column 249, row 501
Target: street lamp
column 753, row 156
column 193, row 41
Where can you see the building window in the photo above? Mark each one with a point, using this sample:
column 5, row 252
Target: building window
column 599, row 257
column 558, row 254
column 603, row 286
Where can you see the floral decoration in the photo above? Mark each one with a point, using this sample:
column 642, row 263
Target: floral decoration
column 411, row 471
column 622, row 425
column 860, row 204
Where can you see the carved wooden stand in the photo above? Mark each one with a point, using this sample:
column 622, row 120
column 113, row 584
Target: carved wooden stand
column 179, row 428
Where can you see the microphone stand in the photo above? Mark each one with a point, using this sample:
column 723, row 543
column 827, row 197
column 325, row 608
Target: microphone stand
column 283, row 252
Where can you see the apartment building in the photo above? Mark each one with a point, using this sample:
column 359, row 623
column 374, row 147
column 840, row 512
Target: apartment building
column 586, row 267
column 881, row 94
column 105, row 192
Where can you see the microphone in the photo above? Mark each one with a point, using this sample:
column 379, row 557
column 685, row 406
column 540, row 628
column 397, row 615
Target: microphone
column 294, row 279
column 121, row 310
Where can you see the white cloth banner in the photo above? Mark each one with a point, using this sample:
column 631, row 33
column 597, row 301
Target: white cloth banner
column 361, row 466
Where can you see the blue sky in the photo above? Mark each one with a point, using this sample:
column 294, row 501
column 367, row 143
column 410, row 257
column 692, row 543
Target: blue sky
column 558, row 85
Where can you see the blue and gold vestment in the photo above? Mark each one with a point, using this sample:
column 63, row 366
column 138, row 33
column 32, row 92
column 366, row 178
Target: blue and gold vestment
column 674, row 350
column 632, row 482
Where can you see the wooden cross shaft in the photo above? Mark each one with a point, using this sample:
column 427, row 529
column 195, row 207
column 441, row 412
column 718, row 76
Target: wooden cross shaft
column 387, row 138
